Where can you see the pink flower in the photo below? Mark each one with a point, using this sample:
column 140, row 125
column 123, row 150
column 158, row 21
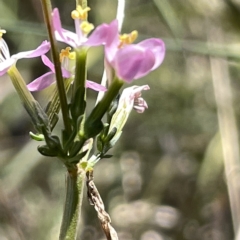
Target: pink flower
column 48, row 78
column 74, row 39
column 130, row 61
column 6, row 61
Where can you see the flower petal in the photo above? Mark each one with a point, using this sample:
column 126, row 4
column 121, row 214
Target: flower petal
column 157, row 46
column 106, row 34
column 4, row 66
column 42, row 82
column 61, row 34
column 95, row 86
column 42, row 49
column 47, row 62
column 65, row 73
column 133, row 62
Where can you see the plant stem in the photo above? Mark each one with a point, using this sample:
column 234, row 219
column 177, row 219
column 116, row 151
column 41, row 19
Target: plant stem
column 72, row 209
column 47, row 9
column 102, row 107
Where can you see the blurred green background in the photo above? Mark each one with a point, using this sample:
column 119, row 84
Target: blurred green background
column 166, row 180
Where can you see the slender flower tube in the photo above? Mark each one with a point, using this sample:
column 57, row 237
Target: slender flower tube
column 6, row 61
column 130, row 61
column 67, row 59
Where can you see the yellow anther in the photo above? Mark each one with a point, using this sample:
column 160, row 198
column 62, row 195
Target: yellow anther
column 80, row 13
column 126, row 39
column 86, row 27
column 2, row 31
column 65, row 53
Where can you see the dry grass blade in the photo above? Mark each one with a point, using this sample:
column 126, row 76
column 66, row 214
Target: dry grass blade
column 96, row 200
column 228, row 129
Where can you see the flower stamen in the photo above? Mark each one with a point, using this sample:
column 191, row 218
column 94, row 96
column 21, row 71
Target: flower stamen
column 86, row 27
column 126, row 39
column 65, row 53
column 80, row 13
column 2, row 31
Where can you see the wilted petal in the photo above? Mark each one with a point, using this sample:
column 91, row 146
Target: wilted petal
column 95, row 86
column 130, row 99
column 42, row 82
column 140, row 105
column 130, row 96
column 42, row 49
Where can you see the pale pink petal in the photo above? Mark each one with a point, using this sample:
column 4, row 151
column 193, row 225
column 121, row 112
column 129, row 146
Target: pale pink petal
column 42, row 49
column 62, row 34
column 42, row 82
column 133, row 62
column 4, row 66
column 47, row 62
column 65, row 73
column 157, row 46
column 95, row 86
column 106, row 34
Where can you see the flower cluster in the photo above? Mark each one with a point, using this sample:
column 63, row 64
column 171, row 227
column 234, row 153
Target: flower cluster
column 124, row 62
column 129, row 61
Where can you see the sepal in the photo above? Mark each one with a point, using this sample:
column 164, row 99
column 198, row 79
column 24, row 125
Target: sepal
column 46, row 151
column 78, row 104
column 77, row 158
column 36, row 137
column 91, row 128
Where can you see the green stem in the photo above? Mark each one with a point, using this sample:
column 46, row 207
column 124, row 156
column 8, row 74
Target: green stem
column 102, row 107
column 80, row 73
column 93, row 124
column 47, row 9
column 72, row 209
column 78, row 102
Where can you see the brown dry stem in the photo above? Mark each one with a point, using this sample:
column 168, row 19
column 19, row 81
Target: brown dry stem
column 96, row 200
